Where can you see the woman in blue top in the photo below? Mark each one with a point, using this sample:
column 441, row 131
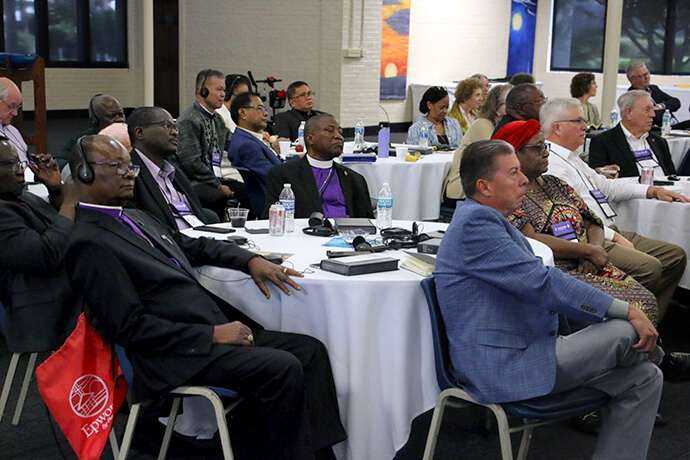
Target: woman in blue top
column 444, row 132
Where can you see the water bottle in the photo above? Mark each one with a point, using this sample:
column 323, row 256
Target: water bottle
column 300, row 134
column 384, row 139
column 287, row 199
column 384, row 207
column 614, row 117
column 666, row 123
column 359, row 135
column 424, row 136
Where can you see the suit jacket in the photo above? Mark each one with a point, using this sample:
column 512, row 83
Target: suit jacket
column 672, row 103
column 501, row 305
column 148, row 196
column 41, row 309
column 145, row 301
column 300, row 176
column 287, row 123
column 249, row 152
column 611, row 147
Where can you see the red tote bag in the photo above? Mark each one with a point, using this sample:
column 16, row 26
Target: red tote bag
column 77, row 384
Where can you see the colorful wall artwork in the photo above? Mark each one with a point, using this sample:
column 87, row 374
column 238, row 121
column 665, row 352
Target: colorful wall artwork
column 523, row 23
column 394, row 48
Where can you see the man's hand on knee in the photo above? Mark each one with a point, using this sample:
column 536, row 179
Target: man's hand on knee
column 234, row 333
column 644, row 328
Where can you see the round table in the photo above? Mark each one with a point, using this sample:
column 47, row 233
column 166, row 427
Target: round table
column 376, row 328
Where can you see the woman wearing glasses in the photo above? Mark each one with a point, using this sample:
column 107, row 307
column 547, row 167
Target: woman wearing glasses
column 553, row 213
column 444, row 132
column 489, row 115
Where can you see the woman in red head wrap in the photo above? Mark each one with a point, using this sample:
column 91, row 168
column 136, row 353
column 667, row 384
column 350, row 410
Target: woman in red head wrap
column 553, row 213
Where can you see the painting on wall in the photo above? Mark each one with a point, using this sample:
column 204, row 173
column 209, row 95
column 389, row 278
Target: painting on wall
column 523, row 23
column 395, row 41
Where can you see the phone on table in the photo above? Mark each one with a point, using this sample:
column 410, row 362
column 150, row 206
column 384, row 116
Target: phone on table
column 212, row 229
column 256, row 231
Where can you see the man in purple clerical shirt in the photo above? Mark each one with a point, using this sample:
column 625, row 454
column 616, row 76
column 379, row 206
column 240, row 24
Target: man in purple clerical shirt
column 319, row 183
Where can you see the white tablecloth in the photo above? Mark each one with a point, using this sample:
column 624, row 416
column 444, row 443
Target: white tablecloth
column 416, row 186
column 681, row 93
column 376, row 329
column 659, row 220
column 678, row 146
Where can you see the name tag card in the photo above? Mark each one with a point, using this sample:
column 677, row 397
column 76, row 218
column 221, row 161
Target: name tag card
column 215, row 162
column 603, row 203
column 645, row 159
column 182, row 210
column 564, row 231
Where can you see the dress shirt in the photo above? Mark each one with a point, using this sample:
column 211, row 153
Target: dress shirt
column 569, row 167
column 640, row 143
column 329, row 188
column 164, row 178
column 226, row 169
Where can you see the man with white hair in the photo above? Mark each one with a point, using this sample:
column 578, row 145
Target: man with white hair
column 10, row 104
column 630, row 144
column 655, row 264
column 639, row 78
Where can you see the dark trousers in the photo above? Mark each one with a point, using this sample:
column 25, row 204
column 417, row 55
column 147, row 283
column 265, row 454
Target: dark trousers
column 292, row 410
column 214, row 199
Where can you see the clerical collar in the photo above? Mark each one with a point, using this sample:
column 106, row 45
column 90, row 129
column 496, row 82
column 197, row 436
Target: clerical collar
column 113, row 211
column 321, row 164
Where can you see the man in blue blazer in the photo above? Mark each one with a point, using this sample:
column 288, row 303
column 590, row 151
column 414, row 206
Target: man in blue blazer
column 246, row 147
column 507, row 339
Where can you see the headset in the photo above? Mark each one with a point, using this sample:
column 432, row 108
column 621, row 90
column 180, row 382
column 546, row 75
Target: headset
column 84, row 171
column 229, row 89
column 399, row 238
column 319, row 226
column 203, row 91
column 92, row 115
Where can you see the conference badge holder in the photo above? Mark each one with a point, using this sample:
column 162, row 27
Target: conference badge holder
column 603, row 203
column 645, row 159
column 215, row 162
column 564, row 231
column 182, row 209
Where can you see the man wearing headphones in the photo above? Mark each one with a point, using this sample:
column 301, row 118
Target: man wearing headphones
column 104, row 110
column 203, row 139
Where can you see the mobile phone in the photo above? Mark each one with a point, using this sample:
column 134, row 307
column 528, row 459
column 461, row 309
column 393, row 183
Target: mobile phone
column 256, row 231
column 212, row 229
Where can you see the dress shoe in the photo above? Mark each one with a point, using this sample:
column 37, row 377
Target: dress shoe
column 660, row 421
column 588, row 423
column 676, row 367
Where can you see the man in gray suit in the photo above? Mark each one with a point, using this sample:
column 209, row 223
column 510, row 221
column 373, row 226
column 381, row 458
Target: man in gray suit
column 510, row 340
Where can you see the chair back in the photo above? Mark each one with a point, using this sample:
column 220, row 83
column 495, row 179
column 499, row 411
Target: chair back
column 256, row 189
column 438, row 332
column 125, row 364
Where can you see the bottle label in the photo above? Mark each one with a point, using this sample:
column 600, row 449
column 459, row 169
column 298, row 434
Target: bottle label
column 289, row 205
column 384, row 202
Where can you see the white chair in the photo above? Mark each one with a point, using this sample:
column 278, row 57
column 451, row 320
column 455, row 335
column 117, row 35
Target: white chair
column 25, row 385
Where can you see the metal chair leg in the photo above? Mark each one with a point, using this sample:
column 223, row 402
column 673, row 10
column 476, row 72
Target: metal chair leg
column 503, row 432
column 435, row 428
column 129, row 431
column 169, row 428
column 25, row 388
column 526, row 439
column 113, row 443
column 8, row 382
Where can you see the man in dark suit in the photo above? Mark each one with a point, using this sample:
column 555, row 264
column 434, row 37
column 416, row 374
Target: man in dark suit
column 639, row 78
column 40, row 308
column 318, row 182
column 301, row 100
column 631, row 145
column 506, row 314
column 138, row 281
column 160, row 189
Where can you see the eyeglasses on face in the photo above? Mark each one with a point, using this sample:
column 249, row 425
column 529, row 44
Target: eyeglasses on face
column 580, row 121
column 12, row 107
column 120, row 168
column 644, row 75
column 14, row 166
column 262, row 108
column 543, row 148
column 541, row 101
column 167, row 124
column 307, row 94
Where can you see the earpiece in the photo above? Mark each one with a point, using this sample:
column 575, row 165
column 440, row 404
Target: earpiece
column 203, row 92
column 92, row 116
column 84, row 171
column 319, row 226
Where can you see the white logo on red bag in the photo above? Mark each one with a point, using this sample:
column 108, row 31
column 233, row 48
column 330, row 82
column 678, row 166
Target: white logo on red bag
column 89, row 395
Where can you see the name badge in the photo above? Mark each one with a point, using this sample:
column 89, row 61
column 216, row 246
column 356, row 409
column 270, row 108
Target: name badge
column 215, row 162
column 645, row 159
column 564, row 231
column 603, row 203
column 182, row 209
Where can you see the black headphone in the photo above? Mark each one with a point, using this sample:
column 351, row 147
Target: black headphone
column 319, row 226
column 92, row 116
column 398, row 238
column 203, row 91
column 84, row 170
column 231, row 88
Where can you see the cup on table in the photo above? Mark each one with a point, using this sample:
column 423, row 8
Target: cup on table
column 349, row 147
column 401, row 152
column 237, row 216
column 284, row 148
